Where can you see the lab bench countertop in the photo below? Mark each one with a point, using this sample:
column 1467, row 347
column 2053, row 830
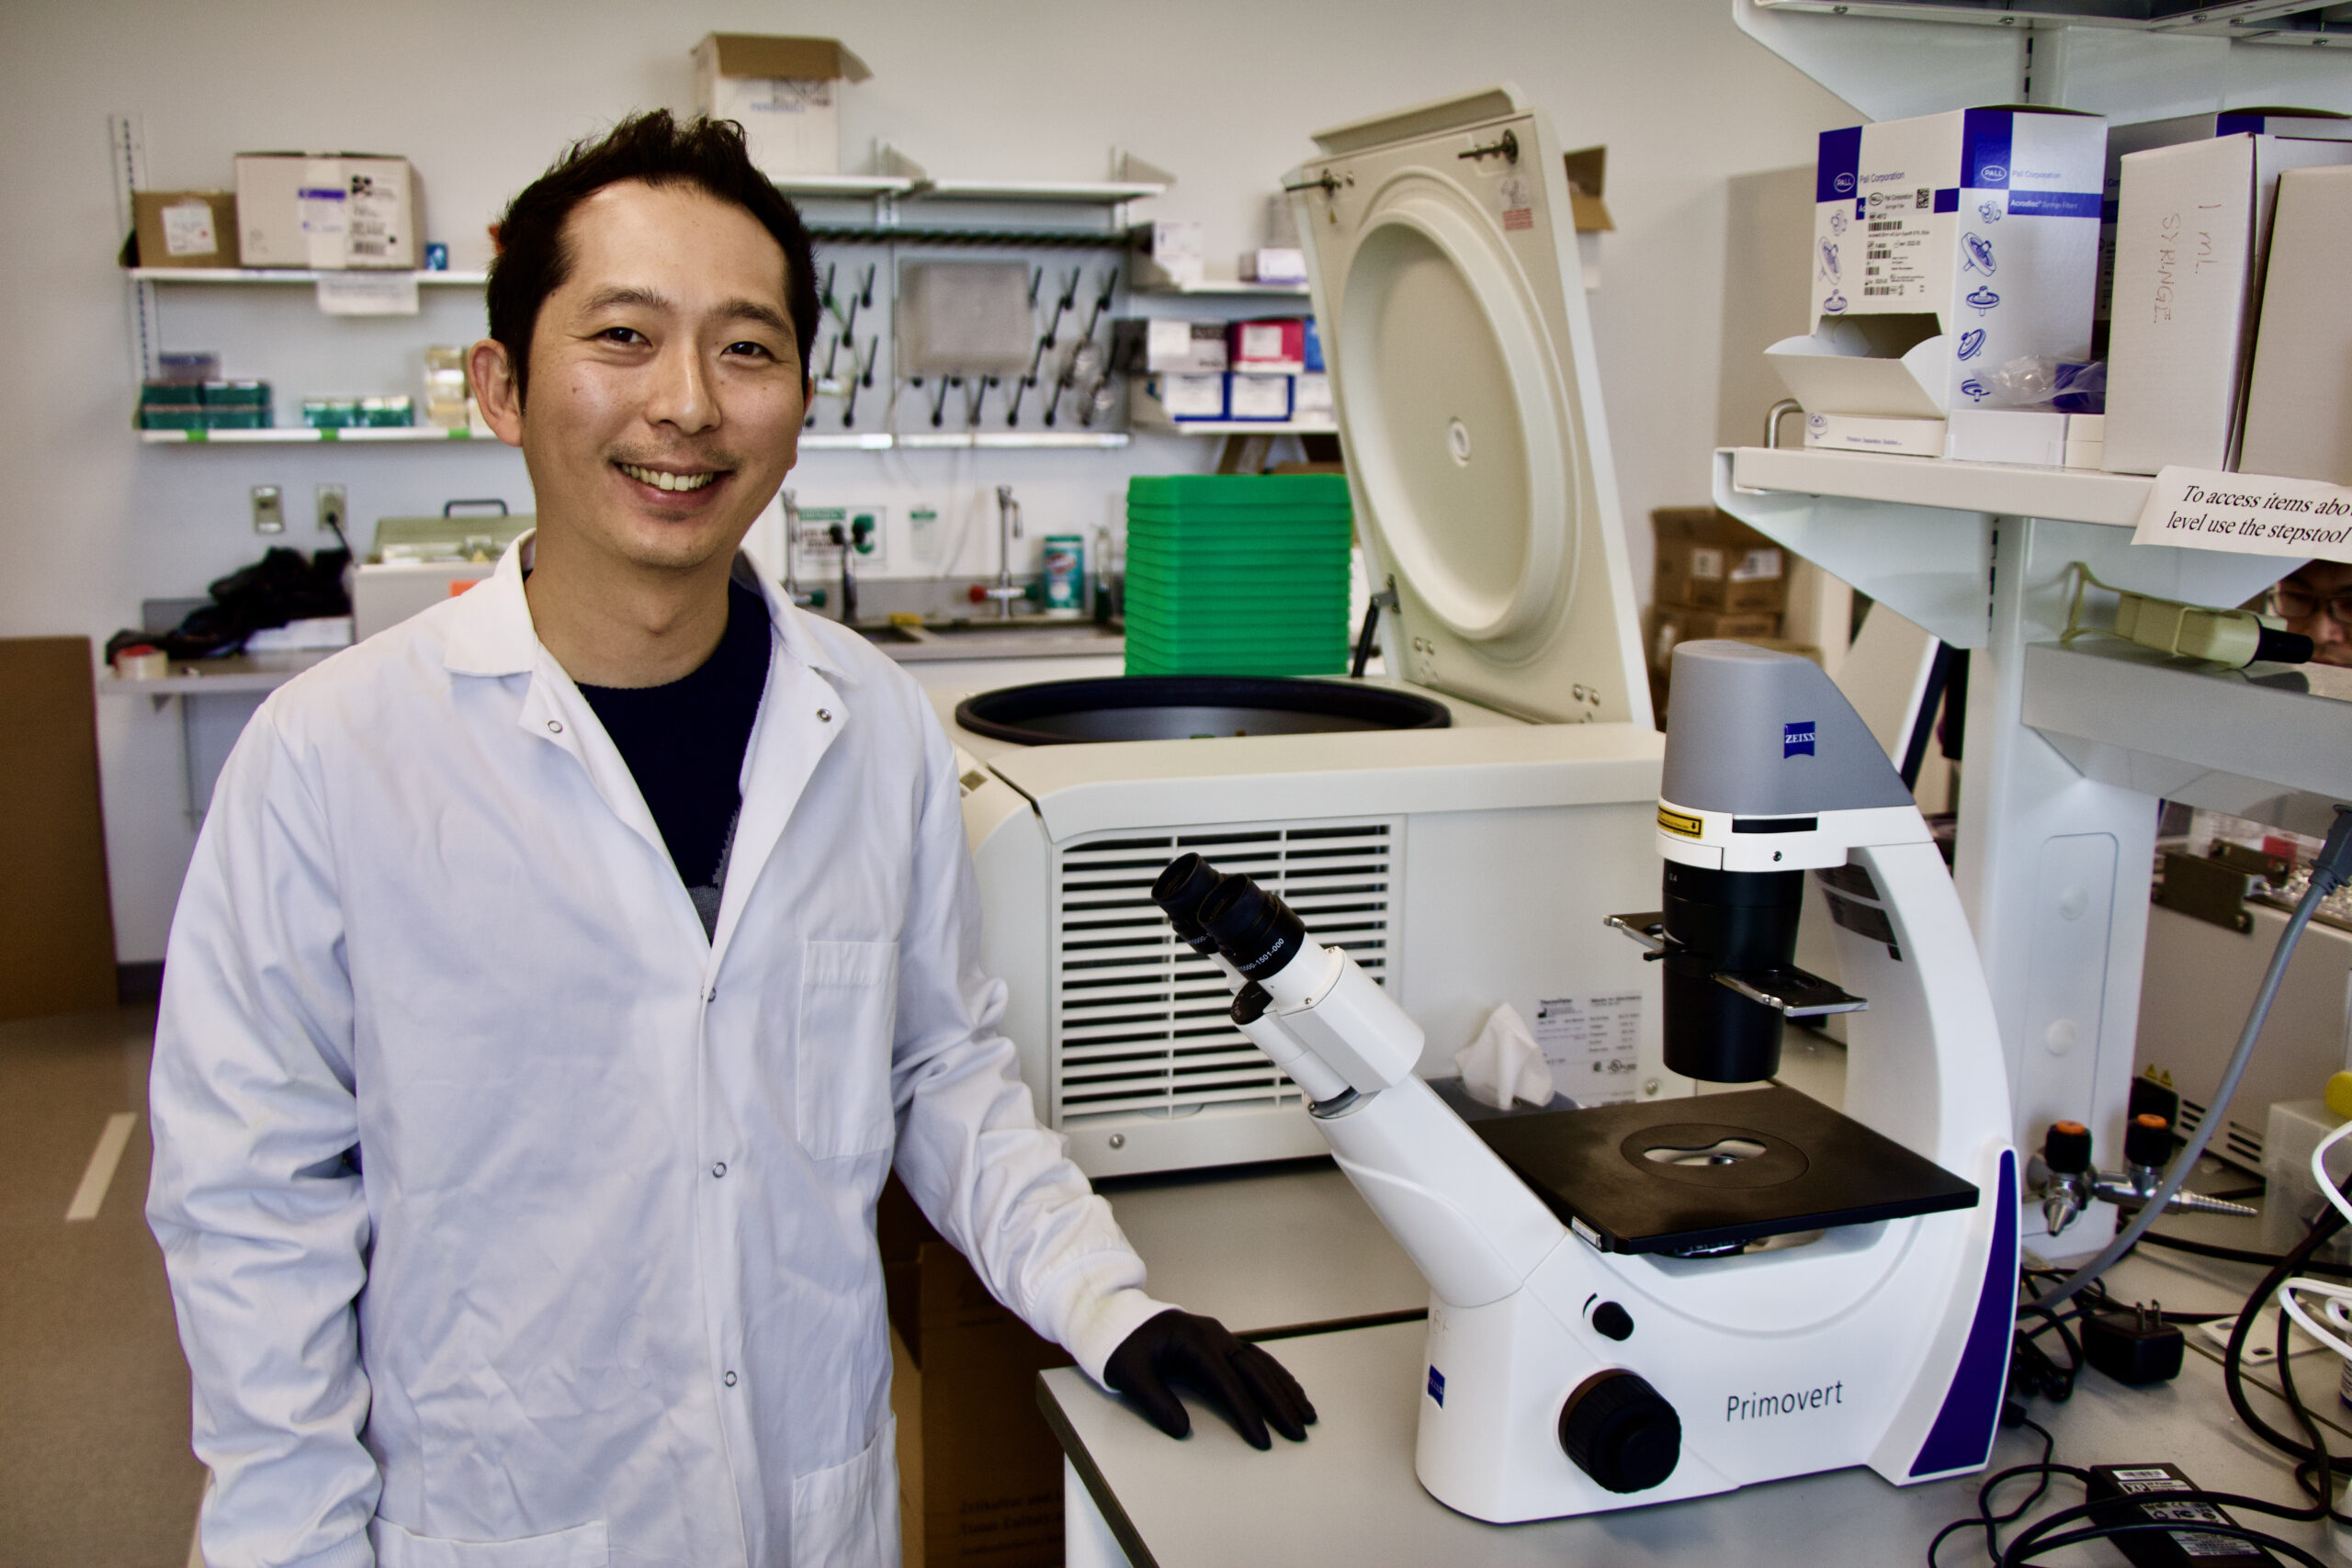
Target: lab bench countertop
column 1348, row 1496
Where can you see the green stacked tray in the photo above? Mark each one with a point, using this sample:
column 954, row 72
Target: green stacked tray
column 1233, row 574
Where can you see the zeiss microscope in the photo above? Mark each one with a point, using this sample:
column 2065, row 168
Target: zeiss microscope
column 1636, row 1304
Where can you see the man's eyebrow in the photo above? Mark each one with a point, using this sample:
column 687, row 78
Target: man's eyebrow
column 622, row 294
column 753, row 311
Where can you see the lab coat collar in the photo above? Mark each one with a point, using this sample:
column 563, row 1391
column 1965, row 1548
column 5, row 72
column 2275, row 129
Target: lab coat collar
column 490, row 631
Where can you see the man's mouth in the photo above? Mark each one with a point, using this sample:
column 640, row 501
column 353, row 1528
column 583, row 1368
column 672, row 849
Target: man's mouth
column 661, row 479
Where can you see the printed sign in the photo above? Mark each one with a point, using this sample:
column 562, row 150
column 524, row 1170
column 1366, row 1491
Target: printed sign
column 2252, row 515
column 1593, row 1045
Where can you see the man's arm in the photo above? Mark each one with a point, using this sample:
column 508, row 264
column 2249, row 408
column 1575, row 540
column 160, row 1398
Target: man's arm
column 261, row 1216
column 1003, row 1189
column 970, row 1151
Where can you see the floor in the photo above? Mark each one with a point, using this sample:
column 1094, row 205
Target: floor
column 94, row 1467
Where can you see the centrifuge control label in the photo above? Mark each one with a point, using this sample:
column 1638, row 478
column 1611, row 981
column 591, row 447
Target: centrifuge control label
column 1593, row 1045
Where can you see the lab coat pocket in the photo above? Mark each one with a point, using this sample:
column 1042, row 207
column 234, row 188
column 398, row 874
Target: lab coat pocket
column 583, row 1546
column 849, row 1000
column 847, row 1517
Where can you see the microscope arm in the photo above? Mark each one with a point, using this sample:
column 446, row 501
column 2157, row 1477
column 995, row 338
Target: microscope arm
column 1469, row 1224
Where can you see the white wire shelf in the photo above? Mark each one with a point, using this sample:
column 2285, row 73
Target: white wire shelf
column 290, row 435
column 297, row 274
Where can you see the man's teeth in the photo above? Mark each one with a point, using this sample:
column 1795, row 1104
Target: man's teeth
column 661, row 481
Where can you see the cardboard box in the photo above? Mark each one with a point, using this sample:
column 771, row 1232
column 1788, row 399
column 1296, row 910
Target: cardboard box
column 784, row 92
column 1168, row 347
column 1168, row 252
column 1183, row 397
column 1972, row 237
column 979, row 1472
column 2312, row 125
column 2034, row 437
column 1273, row 264
column 185, row 228
column 1869, row 433
column 1674, row 624
column 1709, row 559
column 1257, row 397
column 2085, row 440
column 57, row 924
column 327, row 211
column 2298, row 397
column 2192, row 234
column 1276, row 347
column 1588, row 176
column 1310, row 397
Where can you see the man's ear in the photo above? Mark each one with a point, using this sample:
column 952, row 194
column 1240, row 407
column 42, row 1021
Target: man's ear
column 496, row 392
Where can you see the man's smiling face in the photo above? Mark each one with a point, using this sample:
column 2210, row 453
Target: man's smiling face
column 666, row 392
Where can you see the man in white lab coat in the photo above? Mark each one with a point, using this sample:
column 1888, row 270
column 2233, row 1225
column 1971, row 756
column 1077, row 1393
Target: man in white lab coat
column 561, row 973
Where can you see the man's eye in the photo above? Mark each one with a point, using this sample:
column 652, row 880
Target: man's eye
column 755, row 350
column 622, row 334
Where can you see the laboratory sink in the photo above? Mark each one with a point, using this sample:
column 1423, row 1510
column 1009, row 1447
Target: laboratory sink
column 1017, row 636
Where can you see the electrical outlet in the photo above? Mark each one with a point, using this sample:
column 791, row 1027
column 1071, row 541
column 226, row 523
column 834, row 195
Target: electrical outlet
column 269, row 510
column 332, row 509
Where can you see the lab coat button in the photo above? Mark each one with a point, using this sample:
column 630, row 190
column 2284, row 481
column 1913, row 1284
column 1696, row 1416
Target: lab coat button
column 719, row 1170
column 555, row 727
column 729, row 1380
column 825, row 714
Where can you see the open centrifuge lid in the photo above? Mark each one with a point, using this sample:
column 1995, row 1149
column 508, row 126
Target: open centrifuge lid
column 1443, row 267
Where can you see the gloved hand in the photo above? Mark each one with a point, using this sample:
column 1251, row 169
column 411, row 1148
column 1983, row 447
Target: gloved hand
column 1197, row 1353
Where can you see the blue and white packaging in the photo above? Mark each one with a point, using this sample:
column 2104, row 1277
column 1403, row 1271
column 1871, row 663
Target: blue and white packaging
column 1962, row 241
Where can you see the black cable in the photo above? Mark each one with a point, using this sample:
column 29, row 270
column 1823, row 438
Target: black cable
column 1987, row 1520
column 2315, row 1467
column 2240, row 1254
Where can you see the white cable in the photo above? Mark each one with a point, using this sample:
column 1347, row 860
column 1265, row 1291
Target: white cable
column 2338, row 1295
column 2319, row 1170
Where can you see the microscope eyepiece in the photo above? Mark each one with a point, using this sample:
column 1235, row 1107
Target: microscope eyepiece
column 1255, row 929
column 1180, row 892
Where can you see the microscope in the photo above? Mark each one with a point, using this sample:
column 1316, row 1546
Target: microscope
column 1642, row 1303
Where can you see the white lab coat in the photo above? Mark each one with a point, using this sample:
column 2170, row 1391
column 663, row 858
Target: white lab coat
column 512, row 1223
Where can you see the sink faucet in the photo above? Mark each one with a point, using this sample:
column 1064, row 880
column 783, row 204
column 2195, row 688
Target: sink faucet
column 1008, row 528
column 793, row 592
column 847, row 543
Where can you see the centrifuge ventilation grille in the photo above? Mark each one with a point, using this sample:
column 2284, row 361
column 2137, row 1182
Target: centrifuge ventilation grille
column 1141, row 1020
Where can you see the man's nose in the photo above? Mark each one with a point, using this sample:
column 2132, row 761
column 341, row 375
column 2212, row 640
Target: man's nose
column 682, row 390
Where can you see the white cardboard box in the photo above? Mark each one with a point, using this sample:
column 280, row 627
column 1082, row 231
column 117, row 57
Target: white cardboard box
column 1977, row 229
column 2316, row 125
column 784, row 92
column 2192, row 232
column 2299, row 395
column 1183, row 397
column 1311, row 396
column 1257, row 397
column 328, row 212
column 1866, row 433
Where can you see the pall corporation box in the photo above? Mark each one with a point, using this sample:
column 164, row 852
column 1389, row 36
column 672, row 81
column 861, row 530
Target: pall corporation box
column 2308, row 125
column 2192, row 235
column 327, row 210
column 784, row 92
column 1945, row 246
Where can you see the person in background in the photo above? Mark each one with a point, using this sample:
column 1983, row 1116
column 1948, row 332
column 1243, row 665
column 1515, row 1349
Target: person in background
column 561, row 972
column 2317, row 599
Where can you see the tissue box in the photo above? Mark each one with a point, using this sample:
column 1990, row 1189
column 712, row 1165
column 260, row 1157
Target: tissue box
column 1943, row 246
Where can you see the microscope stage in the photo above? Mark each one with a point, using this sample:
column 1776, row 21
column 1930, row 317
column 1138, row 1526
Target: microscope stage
column 1707, row 1174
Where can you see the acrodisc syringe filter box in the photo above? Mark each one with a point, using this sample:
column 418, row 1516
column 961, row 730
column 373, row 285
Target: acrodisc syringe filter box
column 1982, row 222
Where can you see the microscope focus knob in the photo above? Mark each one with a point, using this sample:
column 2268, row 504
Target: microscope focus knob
column 1621, row 1431
column 2066, row 1147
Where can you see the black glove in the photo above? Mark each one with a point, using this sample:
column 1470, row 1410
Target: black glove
column 1197, row 1353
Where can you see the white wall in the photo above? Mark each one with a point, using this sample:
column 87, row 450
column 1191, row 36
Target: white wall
column 480, row 95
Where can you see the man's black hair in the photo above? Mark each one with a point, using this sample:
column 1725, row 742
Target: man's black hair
column 708, row 155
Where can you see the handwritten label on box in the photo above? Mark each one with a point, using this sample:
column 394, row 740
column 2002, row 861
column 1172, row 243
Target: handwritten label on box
column 2252, row 515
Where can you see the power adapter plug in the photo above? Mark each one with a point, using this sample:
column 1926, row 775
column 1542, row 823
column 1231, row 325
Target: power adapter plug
column 2145, row 1494
column 2134, row 1347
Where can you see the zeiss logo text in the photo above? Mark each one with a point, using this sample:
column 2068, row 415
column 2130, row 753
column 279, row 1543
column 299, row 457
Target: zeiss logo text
column 1796, row 739
column 1843, row 185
